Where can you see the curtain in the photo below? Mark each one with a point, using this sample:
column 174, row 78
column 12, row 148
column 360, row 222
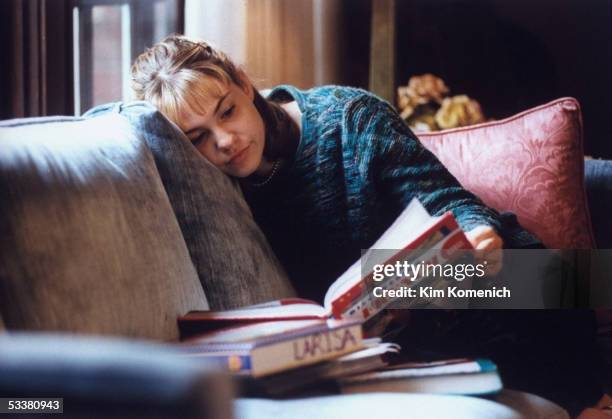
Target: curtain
column 277, row 41
column 37, row 37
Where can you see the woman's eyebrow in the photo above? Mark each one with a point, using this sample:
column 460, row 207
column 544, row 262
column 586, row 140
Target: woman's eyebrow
column 221, row 101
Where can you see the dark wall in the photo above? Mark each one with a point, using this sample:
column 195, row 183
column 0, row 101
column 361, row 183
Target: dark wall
column 510, row 55
column 5, row 79
column 355, row 42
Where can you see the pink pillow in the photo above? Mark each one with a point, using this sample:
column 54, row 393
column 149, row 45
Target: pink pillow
column 531, row 164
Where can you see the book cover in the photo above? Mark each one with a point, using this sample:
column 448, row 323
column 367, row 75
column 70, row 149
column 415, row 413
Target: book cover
column 264, row 348
column 198, row 322
column 456, row 376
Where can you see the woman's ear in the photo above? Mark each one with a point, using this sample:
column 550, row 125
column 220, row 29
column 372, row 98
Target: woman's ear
column 246, row 85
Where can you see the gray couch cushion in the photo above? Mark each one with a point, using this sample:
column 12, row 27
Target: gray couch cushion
column 88, row 239
column 235, row 263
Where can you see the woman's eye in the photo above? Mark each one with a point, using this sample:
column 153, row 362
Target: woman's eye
column 228, row 112
column 199, row 139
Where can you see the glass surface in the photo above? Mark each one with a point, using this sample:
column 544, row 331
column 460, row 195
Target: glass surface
column 107, row 54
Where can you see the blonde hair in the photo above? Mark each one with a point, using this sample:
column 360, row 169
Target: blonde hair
column 179, row 73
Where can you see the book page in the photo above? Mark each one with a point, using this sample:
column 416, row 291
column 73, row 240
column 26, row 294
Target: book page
column 406, row 228
column 259, row 330
column 263, row 311
column 410, row 224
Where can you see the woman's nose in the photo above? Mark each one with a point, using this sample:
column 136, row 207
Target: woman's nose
column 225, row 141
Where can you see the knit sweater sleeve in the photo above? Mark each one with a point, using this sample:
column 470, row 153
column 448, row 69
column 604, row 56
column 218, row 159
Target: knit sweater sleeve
column 393, row 159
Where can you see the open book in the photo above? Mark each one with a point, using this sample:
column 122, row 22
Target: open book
column 415, row 235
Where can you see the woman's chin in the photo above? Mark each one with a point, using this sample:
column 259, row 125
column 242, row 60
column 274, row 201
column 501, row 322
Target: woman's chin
column 242, row 172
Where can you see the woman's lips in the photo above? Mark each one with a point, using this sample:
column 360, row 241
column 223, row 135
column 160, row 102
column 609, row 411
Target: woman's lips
column 238, row 157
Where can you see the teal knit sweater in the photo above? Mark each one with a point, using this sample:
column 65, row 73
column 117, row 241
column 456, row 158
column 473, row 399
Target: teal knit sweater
column 356, row 168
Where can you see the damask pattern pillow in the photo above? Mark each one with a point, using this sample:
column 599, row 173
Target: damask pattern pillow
column 234, row 261
column 531, row 164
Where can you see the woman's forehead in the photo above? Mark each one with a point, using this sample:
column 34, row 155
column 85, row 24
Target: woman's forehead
column 201, row 100
column 190, row 118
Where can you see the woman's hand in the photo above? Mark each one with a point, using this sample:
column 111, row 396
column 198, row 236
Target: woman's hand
column 488, row 247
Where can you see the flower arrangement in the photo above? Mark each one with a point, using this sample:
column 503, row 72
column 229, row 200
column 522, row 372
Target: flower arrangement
column 425, row 105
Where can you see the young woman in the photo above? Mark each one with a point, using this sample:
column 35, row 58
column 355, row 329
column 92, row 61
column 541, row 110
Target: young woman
column 326, row 171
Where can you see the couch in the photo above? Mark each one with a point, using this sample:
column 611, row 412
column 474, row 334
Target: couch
column 113, row 225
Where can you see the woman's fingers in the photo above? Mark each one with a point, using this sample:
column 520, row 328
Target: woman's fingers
column 488, row 247
column 484, row 238
column 489, row 244
column 480, row 233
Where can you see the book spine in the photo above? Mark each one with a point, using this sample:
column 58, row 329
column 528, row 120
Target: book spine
column 280, row 353
column 305, row 350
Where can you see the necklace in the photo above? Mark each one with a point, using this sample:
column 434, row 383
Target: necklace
column 267, row 180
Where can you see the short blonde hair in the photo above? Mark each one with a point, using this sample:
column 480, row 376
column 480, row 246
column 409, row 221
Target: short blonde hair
column 179, row 73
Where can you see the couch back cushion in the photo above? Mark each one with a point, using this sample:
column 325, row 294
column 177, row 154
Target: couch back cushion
column 531, row 164
column 234, row 261
column 88, row 239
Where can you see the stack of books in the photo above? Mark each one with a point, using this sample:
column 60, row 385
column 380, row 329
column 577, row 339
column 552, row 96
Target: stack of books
column 288, row 345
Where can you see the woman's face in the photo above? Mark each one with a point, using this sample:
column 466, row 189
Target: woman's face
column 230, row 132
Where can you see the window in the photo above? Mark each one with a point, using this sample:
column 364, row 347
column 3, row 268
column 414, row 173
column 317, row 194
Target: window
column 107, row 36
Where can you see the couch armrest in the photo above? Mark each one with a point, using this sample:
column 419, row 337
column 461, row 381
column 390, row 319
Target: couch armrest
column 111, row 377
column 598, row 183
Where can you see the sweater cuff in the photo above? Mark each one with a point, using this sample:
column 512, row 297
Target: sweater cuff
column 468, row 222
